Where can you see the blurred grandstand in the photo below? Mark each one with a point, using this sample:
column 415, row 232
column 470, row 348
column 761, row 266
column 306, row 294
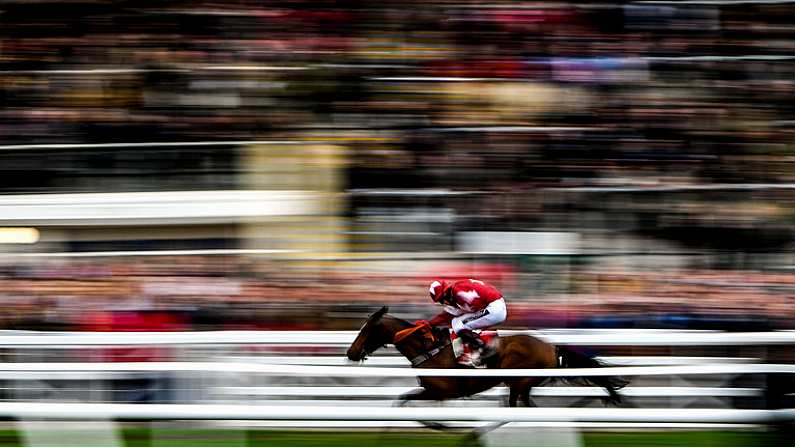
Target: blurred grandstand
column 291, row 165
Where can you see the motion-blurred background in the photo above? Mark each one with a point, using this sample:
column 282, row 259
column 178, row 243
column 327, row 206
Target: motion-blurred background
column 292, row 164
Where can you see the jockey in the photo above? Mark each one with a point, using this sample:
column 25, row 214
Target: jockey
column 469, row 304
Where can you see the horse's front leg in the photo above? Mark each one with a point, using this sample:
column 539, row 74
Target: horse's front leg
column 416, row 394
column 421, row 394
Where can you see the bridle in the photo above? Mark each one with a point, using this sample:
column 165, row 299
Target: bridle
column 399, row 338
column 368, row 352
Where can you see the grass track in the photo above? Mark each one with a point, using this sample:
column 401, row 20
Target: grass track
column 142, row 437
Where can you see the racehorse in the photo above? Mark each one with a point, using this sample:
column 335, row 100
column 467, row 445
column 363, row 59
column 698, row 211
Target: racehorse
column 428, row 347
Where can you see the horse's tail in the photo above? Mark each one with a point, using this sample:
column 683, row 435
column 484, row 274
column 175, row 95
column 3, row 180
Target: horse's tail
column 571, row 358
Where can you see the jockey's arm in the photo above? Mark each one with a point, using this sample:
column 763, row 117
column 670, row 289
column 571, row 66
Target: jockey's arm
column 444, row 318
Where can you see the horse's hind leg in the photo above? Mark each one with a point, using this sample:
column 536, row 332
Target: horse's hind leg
column 526, row 400
column 513, row 396
column 520, row 389
column 613, row 398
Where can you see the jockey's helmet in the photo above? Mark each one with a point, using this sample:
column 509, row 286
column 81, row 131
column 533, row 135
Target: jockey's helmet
column 437, row 290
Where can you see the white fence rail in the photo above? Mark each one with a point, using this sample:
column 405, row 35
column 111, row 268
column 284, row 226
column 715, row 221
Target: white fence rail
column 289, row 388
column 361, row 371
column 391, row 392
column 402, row 361
column 319, row 413
column 581, row 337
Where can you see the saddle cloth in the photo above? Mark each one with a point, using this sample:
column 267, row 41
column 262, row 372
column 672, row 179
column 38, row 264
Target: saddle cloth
column 465, row 354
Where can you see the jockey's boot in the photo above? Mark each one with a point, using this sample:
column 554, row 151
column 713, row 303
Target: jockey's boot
column 471, row 338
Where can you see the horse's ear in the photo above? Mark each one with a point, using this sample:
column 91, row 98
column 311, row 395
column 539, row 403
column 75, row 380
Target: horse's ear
column 379, row 313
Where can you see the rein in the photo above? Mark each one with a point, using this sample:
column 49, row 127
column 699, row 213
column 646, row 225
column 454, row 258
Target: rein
column 422, row 358
column 400, row 335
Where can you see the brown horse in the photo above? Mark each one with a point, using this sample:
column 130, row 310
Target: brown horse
column 429, row 347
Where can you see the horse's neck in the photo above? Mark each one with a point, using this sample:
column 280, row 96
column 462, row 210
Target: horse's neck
column 413, row 346
column 409, row 350
column 392, row 325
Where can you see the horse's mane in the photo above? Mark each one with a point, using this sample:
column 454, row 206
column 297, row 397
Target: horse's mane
column 439, row 334
column 381, row 314
column 397, row 320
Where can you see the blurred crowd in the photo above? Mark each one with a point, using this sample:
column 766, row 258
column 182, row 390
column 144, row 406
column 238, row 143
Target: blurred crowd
column 165, row 293
column 586, row 93
column 538, row 114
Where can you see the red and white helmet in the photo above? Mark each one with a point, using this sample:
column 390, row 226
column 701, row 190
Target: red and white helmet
column 437, row 289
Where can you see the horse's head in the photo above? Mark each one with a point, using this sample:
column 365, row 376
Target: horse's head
column 371, row 337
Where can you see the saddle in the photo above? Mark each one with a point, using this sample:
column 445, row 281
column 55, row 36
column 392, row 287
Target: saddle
column 464, row 354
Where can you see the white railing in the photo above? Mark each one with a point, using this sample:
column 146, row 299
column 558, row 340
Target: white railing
column 395, row 360
column 354, row 400
column 319, row 413
column 392, row 392
column 629, row 337
column 361, row 371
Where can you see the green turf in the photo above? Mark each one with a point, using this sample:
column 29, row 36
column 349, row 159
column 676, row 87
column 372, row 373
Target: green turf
column 186, row 437
column 682, row 439
column 293, row 438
